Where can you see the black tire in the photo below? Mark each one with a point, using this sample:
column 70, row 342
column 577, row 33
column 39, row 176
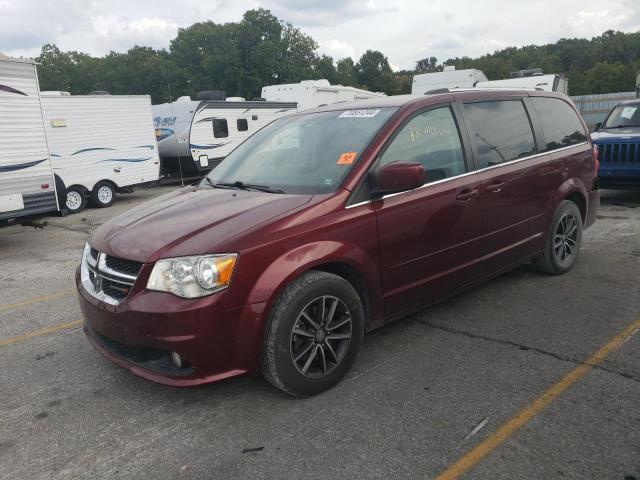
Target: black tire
column 103, row 194
column 75, row 199
column 333, row 356
column 562, row 237
column 61, row 193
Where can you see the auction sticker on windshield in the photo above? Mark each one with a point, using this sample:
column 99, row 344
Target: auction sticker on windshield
column 346, row 158
column 359, row 113
column 628, row 112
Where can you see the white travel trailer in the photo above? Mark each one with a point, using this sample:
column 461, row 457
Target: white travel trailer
column 100, row 145
column 449, row 78
column 27, row 184
column 220, row 126
column 172, row 122
column 536, row 80
column 313, row 93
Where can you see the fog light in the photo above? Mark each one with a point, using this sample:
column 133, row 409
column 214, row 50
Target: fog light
column 176, row 359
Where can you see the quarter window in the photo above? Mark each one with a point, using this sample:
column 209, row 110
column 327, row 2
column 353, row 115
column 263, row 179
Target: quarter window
column 220, row 128
column 242, row 124
column 432, row 139
column 501, row 131
column 560, row 124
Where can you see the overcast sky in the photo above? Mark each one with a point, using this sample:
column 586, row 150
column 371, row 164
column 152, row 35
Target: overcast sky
column 404, row 30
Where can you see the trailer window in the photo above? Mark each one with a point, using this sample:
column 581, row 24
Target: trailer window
column 242, row 125
column 220, row 128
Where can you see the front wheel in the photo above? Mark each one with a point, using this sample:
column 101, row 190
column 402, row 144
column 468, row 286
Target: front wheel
column 563, row 242
column 314, row 334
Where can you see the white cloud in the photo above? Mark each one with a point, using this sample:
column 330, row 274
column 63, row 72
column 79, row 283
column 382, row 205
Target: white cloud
column 337, row 48
column 404, row 30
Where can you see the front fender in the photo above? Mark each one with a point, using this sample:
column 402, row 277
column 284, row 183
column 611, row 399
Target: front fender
column 305, row 257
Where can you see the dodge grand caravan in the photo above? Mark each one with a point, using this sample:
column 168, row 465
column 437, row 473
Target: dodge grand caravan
column 331, row 222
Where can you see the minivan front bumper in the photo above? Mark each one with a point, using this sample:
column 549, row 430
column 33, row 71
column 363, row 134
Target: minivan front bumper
column 141, row 332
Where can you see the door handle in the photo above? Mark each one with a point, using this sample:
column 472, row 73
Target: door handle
column 496, row 187
column 466, row 195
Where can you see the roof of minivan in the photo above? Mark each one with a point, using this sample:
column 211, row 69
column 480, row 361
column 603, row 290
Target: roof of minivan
column 401, row 100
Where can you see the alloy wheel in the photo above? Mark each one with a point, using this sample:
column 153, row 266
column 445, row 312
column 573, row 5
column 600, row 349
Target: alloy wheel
column 321, row 336
column 565, row 239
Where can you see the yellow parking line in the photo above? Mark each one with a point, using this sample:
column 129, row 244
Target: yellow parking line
column 507, row 429
column 36, row 333
column 31, row 301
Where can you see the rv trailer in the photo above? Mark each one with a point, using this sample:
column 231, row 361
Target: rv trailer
column 27, row 183
column 448, row 78
column 100, row 145
column 313, row 93
column 533, row 78
column 172, row 123
column 218, row 127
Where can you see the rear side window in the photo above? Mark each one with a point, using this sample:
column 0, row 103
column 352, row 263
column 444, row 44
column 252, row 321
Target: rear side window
column 432, row 139
column 560, row 123
column 242, row 125
column 220, row 128
column 501, row 131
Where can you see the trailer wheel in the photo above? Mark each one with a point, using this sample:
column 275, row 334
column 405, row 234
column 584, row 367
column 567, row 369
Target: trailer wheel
column 103, row 194
column 76, row 199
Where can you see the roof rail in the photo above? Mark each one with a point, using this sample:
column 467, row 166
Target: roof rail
column 437, row 90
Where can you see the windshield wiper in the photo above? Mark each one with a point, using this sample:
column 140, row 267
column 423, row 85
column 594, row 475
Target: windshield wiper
column 623, row 126
column 218, row 185
column 250, row 186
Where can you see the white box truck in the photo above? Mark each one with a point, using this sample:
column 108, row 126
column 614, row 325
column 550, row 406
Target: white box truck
column 449, row 78
column 100, row 145
column 27, row 184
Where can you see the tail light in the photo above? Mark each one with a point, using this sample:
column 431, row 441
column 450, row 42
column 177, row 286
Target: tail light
column 596, row 157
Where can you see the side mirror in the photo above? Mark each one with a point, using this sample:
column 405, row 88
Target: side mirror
column 397, row 177
column 598, row 125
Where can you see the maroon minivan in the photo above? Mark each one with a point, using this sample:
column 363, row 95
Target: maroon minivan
column 331, row 222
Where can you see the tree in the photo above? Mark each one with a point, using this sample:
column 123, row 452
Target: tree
column 428, row 65
column 346, row 72
column 374, row 73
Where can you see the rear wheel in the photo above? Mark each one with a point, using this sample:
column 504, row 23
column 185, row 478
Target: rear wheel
column 314, row 334
column 75, row 200
column 103, row 194
column 563, row 242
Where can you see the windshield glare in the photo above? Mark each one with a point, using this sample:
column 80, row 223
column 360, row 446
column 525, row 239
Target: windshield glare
column 624, row 116
column 302, row 154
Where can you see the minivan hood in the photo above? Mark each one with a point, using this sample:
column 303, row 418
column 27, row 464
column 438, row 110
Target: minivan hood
column 174, row 224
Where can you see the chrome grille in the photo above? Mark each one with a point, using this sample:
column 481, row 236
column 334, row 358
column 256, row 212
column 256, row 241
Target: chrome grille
column 619, row 153
column 106, row 277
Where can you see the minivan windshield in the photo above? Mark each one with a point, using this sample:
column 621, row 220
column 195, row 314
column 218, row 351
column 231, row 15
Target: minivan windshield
column 300, row 154
column 623, row 116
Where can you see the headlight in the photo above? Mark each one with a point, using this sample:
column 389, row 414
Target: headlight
column 192, row 277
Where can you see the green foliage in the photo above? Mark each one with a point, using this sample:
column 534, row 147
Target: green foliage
column 604, row 64
column 242, row 57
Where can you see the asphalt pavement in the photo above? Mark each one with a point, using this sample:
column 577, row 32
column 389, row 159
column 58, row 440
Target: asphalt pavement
column 500, row 382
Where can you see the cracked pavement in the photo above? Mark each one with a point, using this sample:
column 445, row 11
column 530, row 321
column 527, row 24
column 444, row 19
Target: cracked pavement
column 424, row 390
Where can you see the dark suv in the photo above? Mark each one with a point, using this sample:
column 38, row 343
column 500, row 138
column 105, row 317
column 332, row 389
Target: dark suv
column 332, row 222
column 618, row 142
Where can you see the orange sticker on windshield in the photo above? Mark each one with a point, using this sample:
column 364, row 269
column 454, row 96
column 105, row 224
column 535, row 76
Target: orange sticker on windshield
column 346, row 158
